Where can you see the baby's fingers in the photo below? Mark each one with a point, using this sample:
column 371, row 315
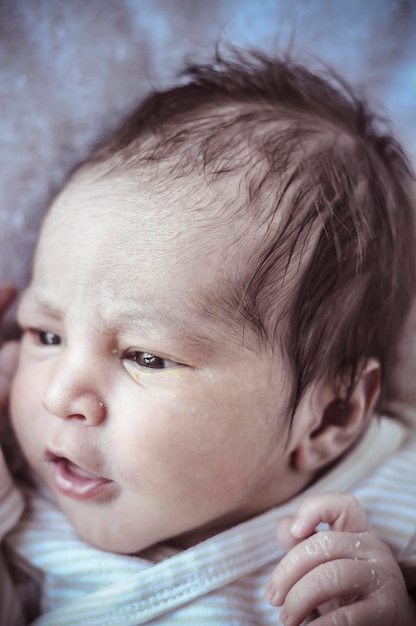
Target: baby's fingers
column 346, row 580
column 340, row 510
column 321, row 548
column 362, row 613
column 284, row 533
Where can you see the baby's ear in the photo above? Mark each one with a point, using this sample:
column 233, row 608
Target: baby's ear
column 334, row 425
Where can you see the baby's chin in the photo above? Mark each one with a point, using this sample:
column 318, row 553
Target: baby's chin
column 108, row 538
column 116, row 538
column 118, row 530
column 111, row 533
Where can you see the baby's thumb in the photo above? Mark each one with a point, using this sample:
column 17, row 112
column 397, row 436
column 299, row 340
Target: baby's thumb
column 283, row 533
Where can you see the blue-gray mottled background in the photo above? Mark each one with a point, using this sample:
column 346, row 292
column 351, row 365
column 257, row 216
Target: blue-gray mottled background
column 70, row 68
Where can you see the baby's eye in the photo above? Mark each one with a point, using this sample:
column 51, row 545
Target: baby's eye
column 149, row 361
column 46, row 337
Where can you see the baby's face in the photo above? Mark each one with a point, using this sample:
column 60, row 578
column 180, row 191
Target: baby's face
column 146, row 415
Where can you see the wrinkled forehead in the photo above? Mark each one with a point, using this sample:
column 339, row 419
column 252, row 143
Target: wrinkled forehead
column 91, row 201
column 147, row 200
column 184, row 217
column 181, row 233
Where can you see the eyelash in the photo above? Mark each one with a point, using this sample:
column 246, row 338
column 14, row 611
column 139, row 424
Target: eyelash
column 148, row 360
column 46, row 337
column 145, row 360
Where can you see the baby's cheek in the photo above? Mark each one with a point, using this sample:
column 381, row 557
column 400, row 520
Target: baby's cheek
column 25, row 393
column 18, row 403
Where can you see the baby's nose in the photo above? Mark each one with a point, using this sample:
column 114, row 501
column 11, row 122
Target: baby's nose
column 73, row 393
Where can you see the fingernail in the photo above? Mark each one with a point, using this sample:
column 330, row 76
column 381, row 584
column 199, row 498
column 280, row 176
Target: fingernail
column 269, row 592
column 297, row 528
column 272, row 595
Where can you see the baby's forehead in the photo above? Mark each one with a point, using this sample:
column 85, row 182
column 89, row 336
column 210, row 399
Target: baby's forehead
column 194, row 207
column 186, row 218
column 185, row 222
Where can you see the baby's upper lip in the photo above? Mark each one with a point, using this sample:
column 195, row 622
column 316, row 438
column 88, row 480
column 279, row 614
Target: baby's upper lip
column 53, row 456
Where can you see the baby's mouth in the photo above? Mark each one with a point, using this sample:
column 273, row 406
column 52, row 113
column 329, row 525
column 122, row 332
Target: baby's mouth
column 75, row 481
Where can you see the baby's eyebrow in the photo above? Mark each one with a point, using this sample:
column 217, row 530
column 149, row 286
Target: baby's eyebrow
column 31, row 298
column 132, row 318
column 212, row 321
column 187, row 332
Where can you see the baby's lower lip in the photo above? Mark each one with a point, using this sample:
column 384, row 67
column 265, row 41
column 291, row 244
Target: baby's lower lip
column 75, row 482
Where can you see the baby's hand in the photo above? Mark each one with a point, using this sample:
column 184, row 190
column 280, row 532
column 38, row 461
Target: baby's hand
column 8, row 352
column 345, row 573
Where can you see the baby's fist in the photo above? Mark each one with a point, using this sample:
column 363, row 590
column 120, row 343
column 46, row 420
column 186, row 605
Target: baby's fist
column 345, row 573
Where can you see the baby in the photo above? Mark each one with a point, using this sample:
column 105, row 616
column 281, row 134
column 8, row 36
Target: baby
column 214, row 311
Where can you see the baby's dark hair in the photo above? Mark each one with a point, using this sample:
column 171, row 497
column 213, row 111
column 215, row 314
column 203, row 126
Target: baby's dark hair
column 328, row 183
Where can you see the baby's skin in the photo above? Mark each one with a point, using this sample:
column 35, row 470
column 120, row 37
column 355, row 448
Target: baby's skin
column 345, row 574
column 8, row 352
